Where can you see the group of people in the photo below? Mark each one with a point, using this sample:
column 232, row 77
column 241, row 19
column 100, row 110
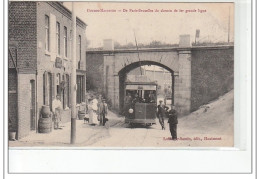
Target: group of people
column 162, row 110
column 97, row 110
column 130, row 101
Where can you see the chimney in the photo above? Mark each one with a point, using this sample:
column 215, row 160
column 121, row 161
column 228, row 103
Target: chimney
column 108, row 44
column 184, row 41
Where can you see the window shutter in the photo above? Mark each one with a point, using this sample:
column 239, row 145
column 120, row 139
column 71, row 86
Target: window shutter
column 53, row 36
column 70, row 90
column 53, row 85
column 84, row 88
column 45, row 87
column 65, row 91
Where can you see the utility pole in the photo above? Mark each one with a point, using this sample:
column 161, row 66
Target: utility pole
column 197, row 35
column 136, row 44
column 73, row 79
column 228, row 24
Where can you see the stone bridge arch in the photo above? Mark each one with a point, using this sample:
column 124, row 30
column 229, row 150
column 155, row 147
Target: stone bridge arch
column 201, row 74
column 125, row 70
column 118, row 63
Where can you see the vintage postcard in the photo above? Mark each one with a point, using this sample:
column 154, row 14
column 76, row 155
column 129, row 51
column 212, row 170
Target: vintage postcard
column 120, row 74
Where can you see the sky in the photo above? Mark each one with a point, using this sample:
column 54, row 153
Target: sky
column 123, row 26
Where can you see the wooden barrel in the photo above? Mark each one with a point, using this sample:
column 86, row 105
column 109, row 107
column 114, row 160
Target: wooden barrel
column 81, row 115
column 45, row 111
column 45, row 125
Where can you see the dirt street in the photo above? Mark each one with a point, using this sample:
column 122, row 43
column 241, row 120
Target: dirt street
column 210, row 126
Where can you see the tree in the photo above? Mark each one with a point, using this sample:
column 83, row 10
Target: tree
column 155, row 44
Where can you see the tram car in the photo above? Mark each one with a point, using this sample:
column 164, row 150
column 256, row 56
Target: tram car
column 140, row 103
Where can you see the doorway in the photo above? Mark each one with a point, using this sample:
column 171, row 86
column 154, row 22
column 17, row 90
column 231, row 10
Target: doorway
column 32, row 105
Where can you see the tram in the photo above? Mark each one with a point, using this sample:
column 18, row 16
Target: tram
column 140, row 103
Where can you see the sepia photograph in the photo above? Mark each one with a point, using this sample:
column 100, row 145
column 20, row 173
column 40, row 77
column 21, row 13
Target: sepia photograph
column 120, row 74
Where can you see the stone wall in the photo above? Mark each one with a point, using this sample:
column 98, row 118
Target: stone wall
column 212, row 74
column 182, row 86
column 95, row 71
column 201, row 74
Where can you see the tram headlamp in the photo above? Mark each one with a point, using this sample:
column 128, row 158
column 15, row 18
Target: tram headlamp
column 130, row 110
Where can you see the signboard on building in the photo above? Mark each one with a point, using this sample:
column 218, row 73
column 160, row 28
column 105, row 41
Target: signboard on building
column 58, row 62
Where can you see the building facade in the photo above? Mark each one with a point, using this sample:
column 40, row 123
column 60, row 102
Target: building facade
column 39, row 54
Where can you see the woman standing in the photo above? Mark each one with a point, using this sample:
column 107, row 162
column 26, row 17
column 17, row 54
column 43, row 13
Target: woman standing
column 92, row 112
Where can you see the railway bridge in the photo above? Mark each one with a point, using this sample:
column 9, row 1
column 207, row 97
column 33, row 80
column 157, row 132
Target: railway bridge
column 199, row 73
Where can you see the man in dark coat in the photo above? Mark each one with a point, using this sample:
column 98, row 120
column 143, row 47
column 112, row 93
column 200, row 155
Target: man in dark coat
column 173, row 121
column 162, row 109
column 102, row 110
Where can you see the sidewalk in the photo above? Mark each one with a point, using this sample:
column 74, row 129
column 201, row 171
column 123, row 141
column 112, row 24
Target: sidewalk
column 85, row 135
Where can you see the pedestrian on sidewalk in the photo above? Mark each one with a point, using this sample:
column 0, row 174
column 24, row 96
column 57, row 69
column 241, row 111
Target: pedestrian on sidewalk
column 102, row 110
column 92, row 108
column 56, row 109
column 162, row 109
column 173, row 121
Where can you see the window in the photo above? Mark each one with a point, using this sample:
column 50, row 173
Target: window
column 80, row 88
column 70, row 44
column 58, row 37
column 79, row 49
column 47, row 33
column 48, row 89
column 65, row 42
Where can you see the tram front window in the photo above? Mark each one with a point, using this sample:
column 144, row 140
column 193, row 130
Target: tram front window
column 142, row 96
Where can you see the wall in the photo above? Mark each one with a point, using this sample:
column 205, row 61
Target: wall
column 201, row 74
column 182, row 86
column 23, row 104
column 22, row 30
column 95, row 70
column 212, row 74
column 12, row 97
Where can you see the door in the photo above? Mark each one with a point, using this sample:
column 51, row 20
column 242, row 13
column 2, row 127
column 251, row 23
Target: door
column 32, row 105
column 50, row 90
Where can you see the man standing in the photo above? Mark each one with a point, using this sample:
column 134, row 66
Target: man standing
column 56, row 109
column 136, row 99
column 161, row 113
column 102, row 112
column 151, row 97
column 173, row 121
